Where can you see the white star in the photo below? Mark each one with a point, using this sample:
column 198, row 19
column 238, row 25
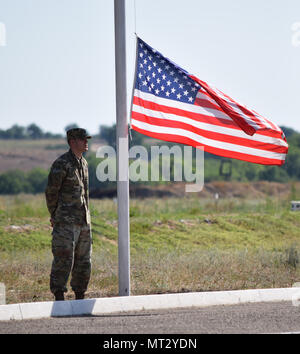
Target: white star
column 167, row 93
column 173, row 90
column 140, row 75
column 145, row 83
column 162, row 88
column 141, row 55
column 150, row 57
column 152, row 85
column 157, row 91
column 153, row 74
column 169, row 83
column 193, row 89
column 164, row 77
column 159, row 70
column 145, row 61
column 167, row 67
column 185, row 92
column 154, row 64
column 148, row 78
column 149, row 67
column 191, row 99
column 179, row 96
column 181, row 86
column 176, row 78
column 158, row 80
column 172, row 73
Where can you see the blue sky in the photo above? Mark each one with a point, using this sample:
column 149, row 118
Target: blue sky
column 57, row 66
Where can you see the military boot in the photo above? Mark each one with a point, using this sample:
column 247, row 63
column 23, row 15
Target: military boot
column 59, row 296
column 79, row 295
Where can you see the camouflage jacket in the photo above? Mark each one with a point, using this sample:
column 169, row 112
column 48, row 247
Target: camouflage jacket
column 67, row 193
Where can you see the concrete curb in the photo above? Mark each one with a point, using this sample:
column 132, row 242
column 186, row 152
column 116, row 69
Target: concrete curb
column 101, row 306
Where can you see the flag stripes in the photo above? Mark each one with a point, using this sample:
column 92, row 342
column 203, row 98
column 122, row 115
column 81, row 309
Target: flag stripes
column 210, row 127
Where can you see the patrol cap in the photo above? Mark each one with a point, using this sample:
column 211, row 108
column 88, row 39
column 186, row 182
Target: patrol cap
column 77, row 133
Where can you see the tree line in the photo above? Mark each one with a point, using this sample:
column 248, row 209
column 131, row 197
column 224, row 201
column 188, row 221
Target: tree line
column 216, row 167
column 32, row 131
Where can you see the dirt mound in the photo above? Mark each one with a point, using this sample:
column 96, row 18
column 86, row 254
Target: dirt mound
column 222, row 189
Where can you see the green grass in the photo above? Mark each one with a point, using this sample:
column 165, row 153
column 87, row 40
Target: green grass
column 187, row 224
column 177, row 244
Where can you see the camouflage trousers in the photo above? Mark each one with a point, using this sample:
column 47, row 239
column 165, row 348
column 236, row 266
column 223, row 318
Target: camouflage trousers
column 71, row 249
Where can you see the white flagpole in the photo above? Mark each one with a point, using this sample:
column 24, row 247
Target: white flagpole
column 122, row 149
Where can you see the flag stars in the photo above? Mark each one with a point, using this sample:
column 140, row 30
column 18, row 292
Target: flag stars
column 158, row 76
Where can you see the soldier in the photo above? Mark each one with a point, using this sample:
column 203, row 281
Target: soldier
column 67, row 198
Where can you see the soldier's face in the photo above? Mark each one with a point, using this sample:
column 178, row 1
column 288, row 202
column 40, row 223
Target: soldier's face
column 81, row 145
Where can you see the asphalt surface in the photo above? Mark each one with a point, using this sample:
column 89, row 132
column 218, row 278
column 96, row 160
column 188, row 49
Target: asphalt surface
column 255, row 318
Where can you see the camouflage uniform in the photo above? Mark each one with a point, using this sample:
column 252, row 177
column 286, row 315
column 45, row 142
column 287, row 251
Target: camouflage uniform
column 68, row 203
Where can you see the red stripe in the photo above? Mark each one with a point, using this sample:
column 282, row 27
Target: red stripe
column 246, row 111
column 208, row 134
column 240, row 121
column 253, row 113
column 225, row 153
column 207, row 104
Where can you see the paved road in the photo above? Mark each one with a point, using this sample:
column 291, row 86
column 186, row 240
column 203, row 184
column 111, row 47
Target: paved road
column 280, row 317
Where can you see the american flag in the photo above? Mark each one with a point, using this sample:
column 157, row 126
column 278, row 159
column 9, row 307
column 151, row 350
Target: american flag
column 170, row 104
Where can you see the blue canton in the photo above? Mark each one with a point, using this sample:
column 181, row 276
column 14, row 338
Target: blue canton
column 158, row 75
